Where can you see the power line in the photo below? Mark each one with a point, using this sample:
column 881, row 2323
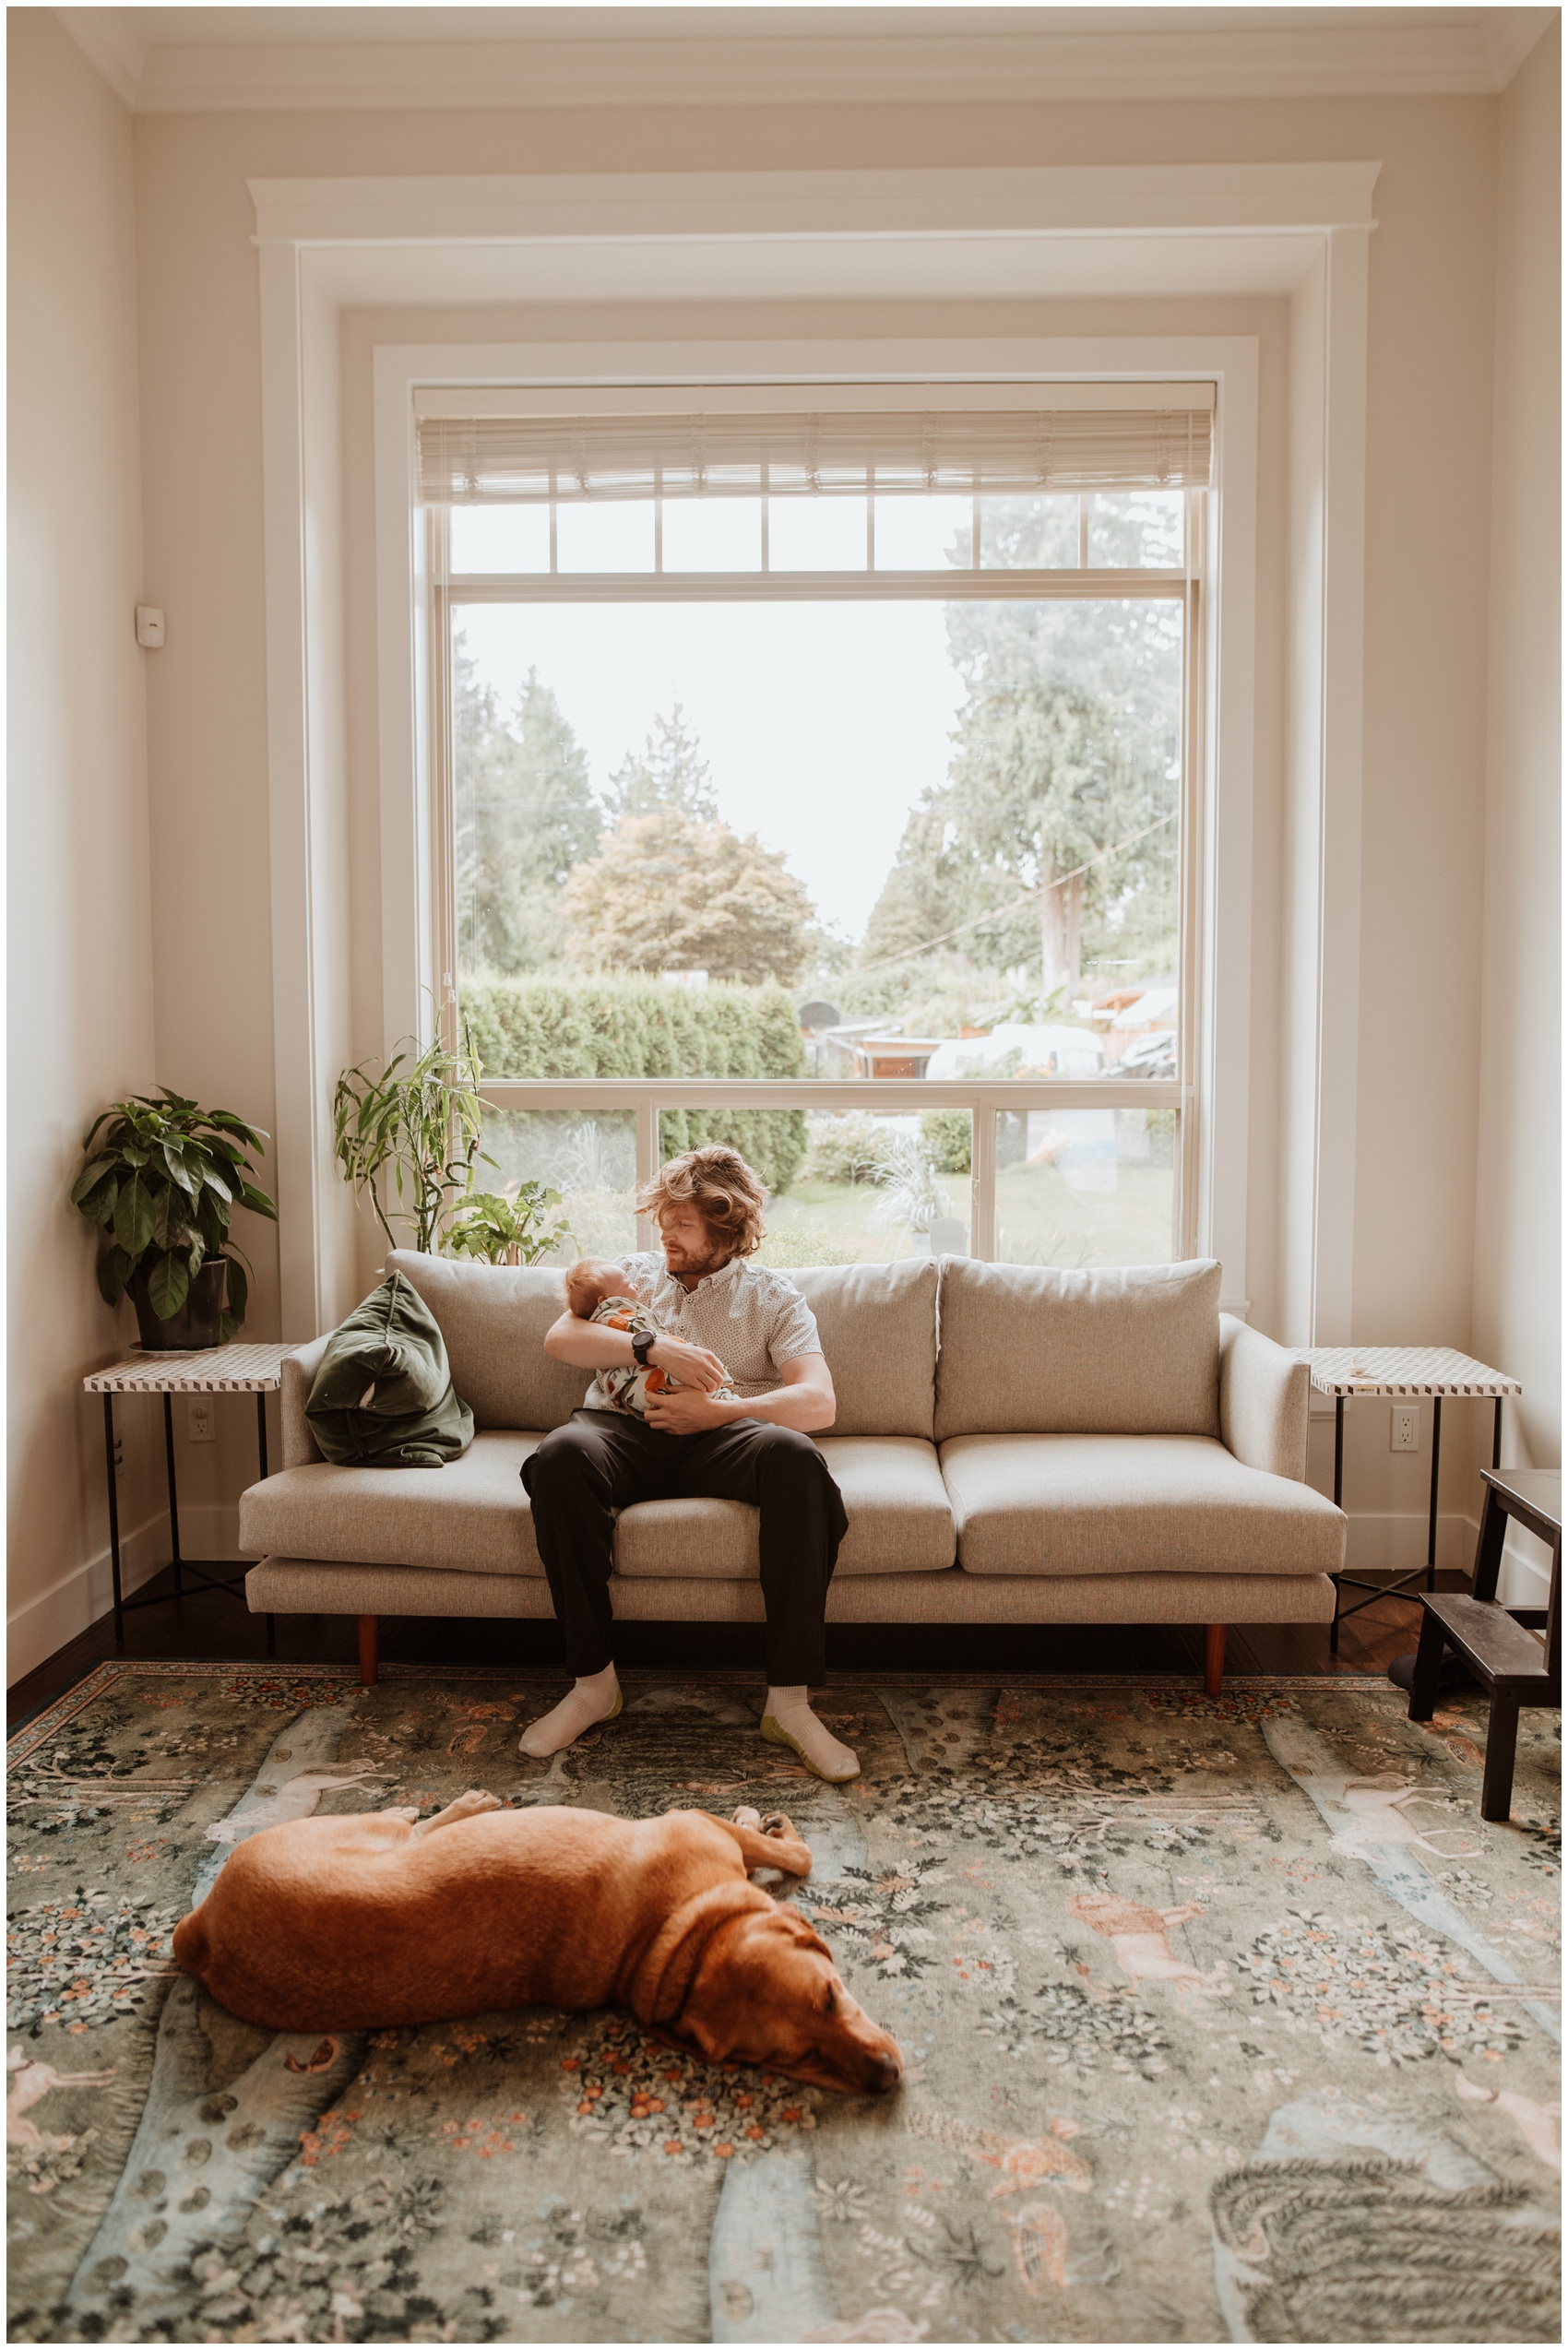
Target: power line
column 999, row 913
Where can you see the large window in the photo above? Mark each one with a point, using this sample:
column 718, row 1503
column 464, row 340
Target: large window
column 823, row 784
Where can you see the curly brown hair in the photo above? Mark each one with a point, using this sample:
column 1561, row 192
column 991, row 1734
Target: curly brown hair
column 725, row 1192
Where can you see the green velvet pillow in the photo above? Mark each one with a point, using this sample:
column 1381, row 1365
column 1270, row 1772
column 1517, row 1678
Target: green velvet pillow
column 383, row 1397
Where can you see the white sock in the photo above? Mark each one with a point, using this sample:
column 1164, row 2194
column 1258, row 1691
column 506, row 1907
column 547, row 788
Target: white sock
column 590, row 1700
column 788, row 1712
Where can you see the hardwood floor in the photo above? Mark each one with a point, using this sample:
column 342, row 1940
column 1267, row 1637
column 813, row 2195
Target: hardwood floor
column 209, row 1626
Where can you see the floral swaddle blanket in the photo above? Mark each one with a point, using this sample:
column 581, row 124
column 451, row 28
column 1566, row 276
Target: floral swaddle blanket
column 629, row 1386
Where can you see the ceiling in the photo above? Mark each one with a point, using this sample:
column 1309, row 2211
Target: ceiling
column 183, row 60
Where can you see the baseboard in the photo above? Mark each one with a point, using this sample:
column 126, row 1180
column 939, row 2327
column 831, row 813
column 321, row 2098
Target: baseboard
column 1395, row 1542
column 42, row 1626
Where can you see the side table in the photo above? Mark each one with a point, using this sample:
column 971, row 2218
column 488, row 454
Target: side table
column 1437, row 1371
column 210, row 1371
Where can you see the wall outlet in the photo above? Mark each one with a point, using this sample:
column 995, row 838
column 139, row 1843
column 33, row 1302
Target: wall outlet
column 198, row 1420
column 1405, row 1429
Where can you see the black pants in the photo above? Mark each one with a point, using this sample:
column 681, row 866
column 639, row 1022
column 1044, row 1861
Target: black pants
column 601, row 1462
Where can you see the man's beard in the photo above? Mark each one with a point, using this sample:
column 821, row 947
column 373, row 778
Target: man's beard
column 698, row 1268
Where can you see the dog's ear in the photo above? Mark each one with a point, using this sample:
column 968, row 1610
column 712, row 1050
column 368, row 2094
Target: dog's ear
column 658, row 1988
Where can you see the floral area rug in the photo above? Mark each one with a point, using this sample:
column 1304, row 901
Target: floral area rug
column 1224, row 2021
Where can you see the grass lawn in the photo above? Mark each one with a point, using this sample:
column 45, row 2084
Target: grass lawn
column 1041, row 1218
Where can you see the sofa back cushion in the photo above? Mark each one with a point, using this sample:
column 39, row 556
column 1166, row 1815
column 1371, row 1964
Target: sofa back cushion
column 493, row 1318
column 1130, row 1350
column 877, row 1324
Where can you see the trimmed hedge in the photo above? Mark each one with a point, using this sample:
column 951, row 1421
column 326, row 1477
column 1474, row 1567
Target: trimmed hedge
column 611, row 1028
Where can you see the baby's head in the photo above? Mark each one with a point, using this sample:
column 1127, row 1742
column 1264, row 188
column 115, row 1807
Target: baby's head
column 590, row 1281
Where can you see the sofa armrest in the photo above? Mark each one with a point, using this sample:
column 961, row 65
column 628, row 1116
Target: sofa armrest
column 299, row 1375
column 1263, row 1394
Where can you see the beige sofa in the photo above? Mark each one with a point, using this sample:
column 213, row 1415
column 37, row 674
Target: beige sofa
column 1014, row 1445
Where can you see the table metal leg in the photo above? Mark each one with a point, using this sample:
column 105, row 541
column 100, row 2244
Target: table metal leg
column 1339, row 1450
column 1497, row 1433
column 114, row 1523
column 1339, row 1490
column 173, row 1498
column 261, row 1429
column 1431, row 1510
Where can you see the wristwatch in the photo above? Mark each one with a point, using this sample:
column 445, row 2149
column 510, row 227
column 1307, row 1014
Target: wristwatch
column 643, row 1345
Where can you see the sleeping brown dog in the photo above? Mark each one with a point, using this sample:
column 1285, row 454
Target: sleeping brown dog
column 370, row 1918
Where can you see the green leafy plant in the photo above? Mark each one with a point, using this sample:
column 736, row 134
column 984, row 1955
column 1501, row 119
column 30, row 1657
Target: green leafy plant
column 948, row 1137
column 850, row 1149
column 509, row 1226
column 162, row 1179
column 410, row 1133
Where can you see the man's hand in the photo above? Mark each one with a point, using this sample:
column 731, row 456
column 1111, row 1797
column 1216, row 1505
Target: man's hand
column 685, row 1411
column 690, row 1365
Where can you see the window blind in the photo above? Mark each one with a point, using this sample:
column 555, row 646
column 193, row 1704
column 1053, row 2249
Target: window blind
column 470, row 460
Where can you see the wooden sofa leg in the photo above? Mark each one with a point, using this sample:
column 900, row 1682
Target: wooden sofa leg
column 369, row 1672
column 1214, row 1659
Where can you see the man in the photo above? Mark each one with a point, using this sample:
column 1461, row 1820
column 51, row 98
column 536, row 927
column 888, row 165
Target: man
column 736, row 1322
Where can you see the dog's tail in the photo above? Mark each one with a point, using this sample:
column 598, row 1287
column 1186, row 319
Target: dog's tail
column 190, row 1945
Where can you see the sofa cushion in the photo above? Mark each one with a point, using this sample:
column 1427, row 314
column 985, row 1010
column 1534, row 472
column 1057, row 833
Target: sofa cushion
column 877, row 1324
column 1082, row 1506
column 470, row 1515
column 493, row 1318
column 1123, row 1351
column 897, row 1505
column 383, row 1396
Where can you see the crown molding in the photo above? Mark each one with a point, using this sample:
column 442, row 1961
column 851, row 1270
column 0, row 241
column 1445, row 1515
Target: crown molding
column 108, row 38
column 1474, row 55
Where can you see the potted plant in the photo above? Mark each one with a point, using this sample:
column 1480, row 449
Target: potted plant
column 414, row 1127
column 509, row 1226
column 162, row 1179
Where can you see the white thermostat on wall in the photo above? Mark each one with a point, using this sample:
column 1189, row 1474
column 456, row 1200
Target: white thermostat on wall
column 149, row 624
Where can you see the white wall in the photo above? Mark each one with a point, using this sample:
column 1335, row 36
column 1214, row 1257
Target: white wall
column 81, row 961
column 1519, row 1253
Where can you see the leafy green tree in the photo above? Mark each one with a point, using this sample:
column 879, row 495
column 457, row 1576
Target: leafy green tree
column 669, row 893
column 526, row 816
column 671, row 774
column 1066, row 746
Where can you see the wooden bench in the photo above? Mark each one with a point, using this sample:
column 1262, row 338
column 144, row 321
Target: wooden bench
column 1515, row 1663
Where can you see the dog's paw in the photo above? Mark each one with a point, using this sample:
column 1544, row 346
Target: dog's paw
column 480, row 1799
column 778, row 1823
column 748, row 1816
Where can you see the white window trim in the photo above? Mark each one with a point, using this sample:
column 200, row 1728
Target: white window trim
column 324, row 244
column 1216, row 950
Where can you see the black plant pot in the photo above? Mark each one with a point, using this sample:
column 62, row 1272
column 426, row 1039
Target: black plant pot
column 196, row 1324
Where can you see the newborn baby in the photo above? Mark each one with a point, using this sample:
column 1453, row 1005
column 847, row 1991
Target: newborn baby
column 596, row 1291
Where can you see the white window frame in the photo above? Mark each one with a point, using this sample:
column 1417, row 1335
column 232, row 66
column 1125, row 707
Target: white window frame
column 1209, row 1209
column 644, row 1099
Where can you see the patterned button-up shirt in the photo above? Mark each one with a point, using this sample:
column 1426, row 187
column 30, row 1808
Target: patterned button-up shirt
column 752, row 1319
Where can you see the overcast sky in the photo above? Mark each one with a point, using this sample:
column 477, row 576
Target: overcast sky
column 821, row 723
